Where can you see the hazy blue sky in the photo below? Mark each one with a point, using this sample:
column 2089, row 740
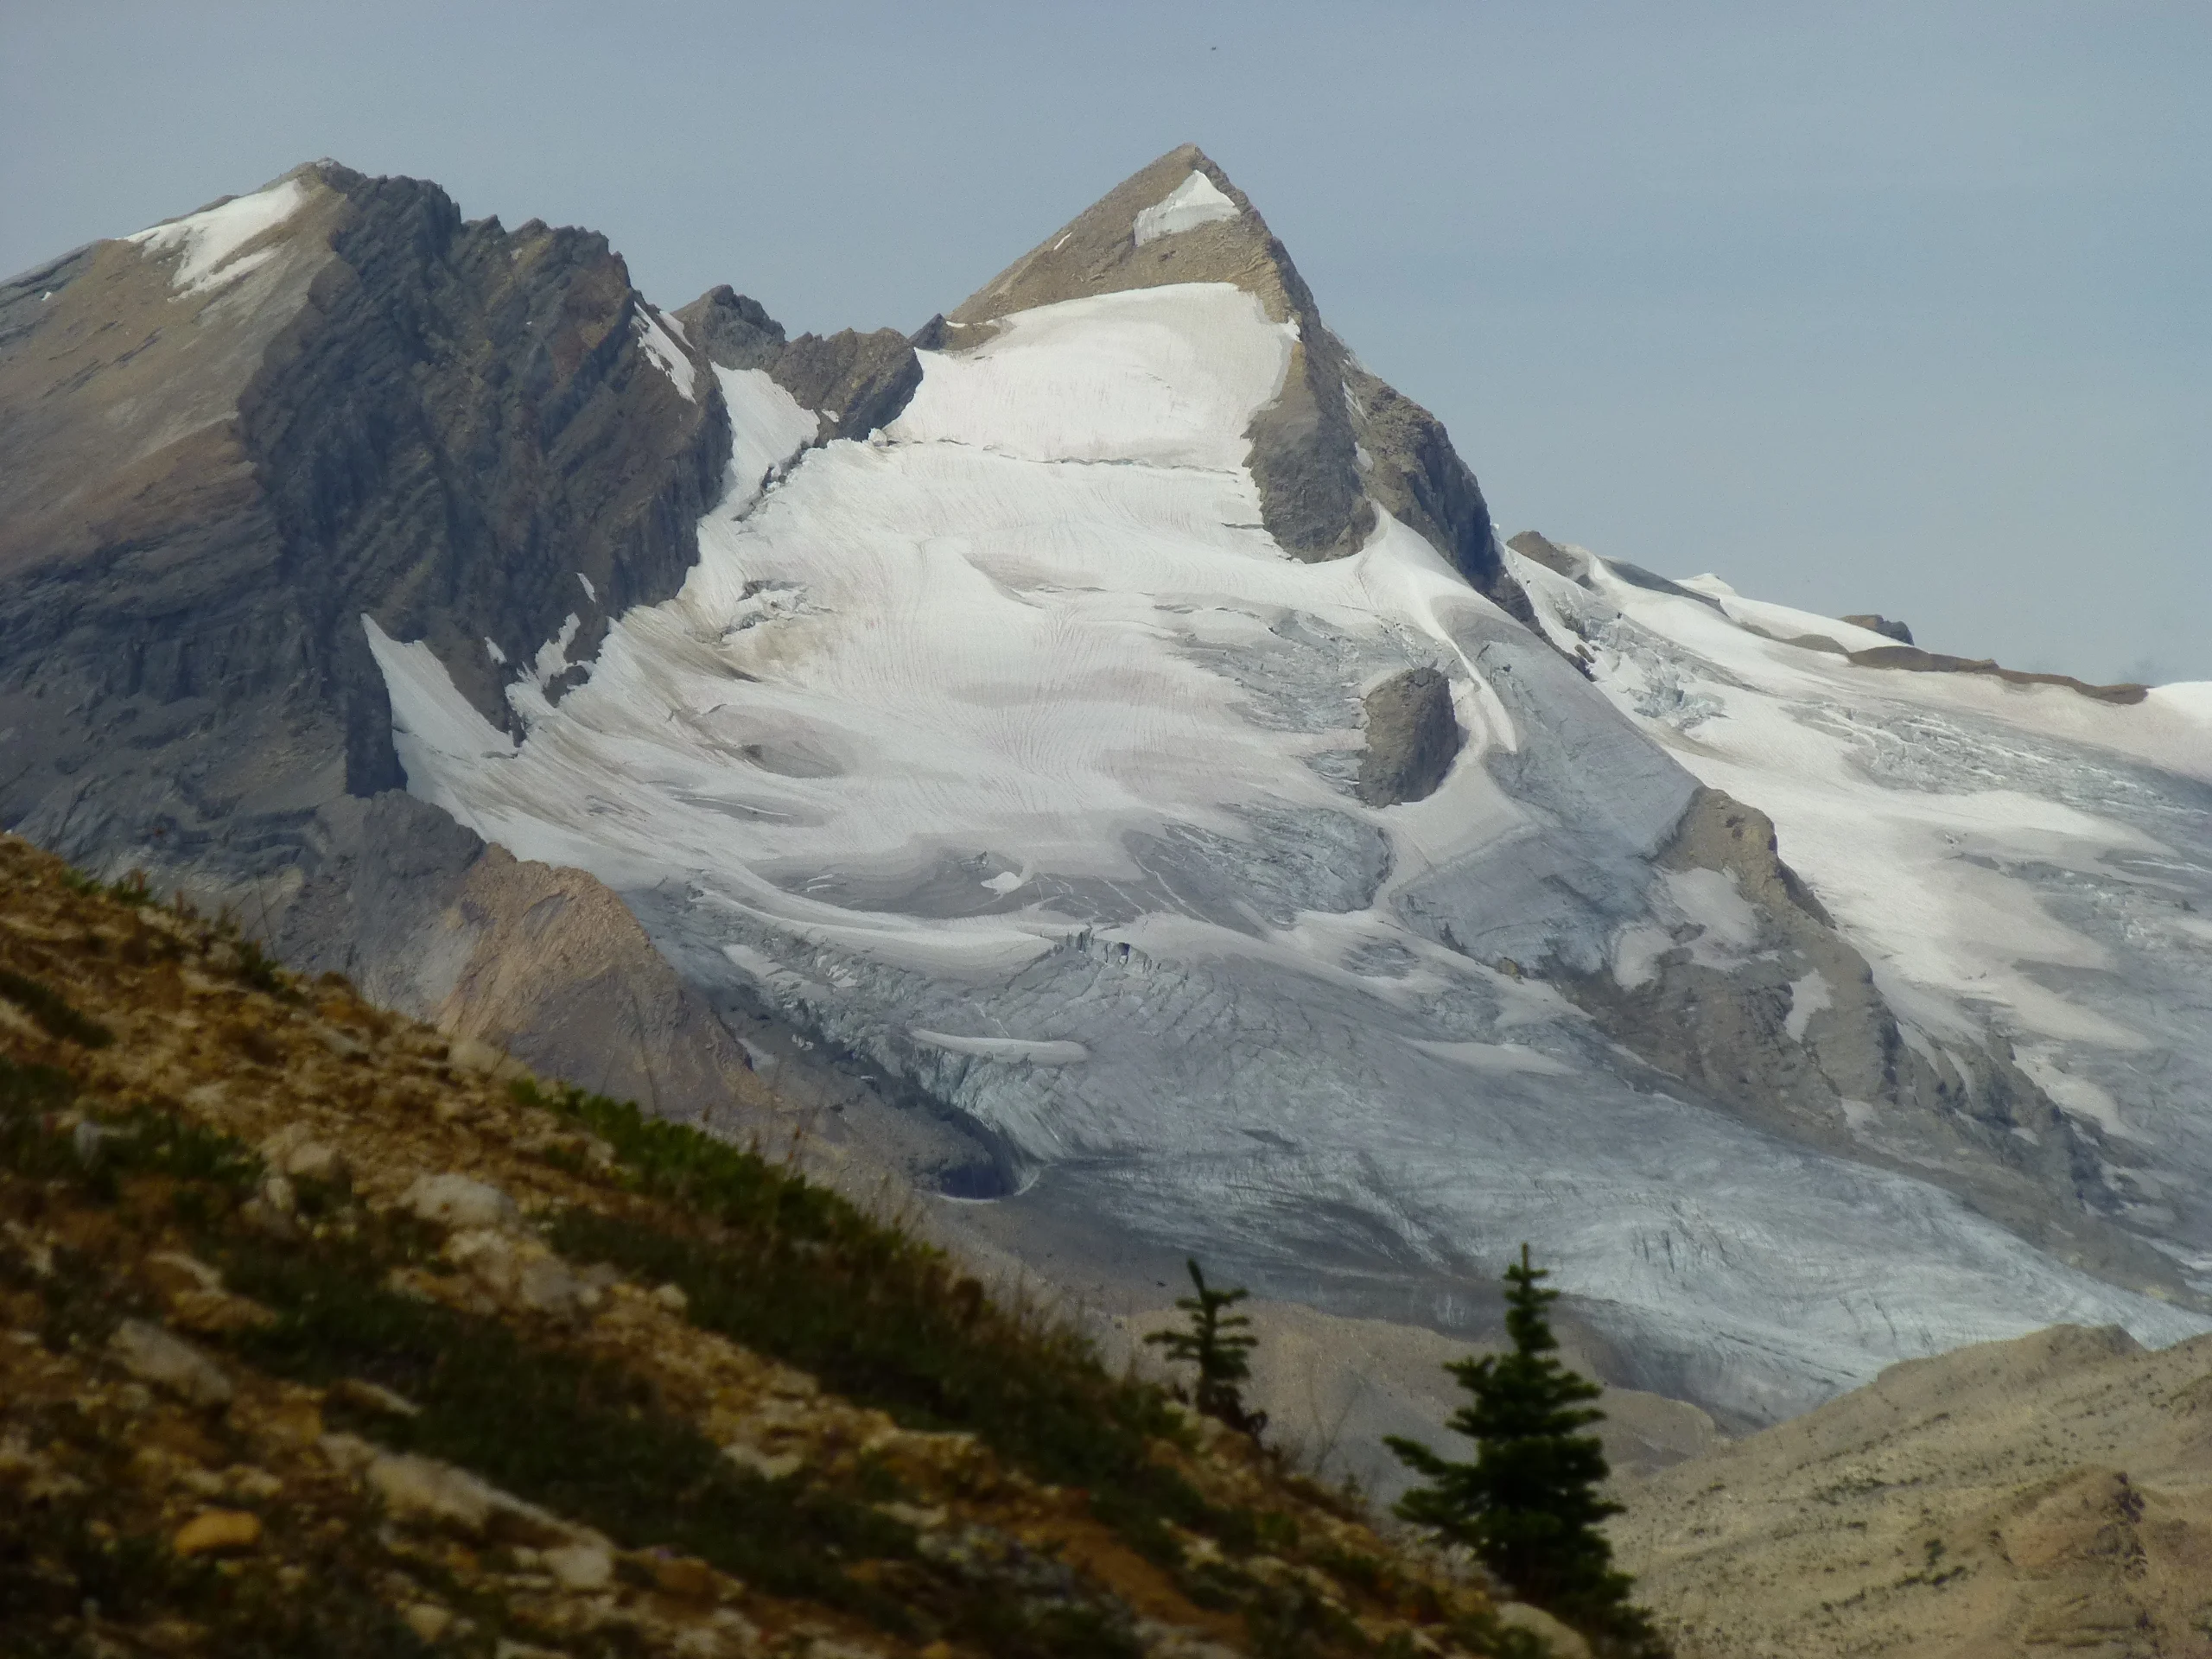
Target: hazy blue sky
column 1867, row 306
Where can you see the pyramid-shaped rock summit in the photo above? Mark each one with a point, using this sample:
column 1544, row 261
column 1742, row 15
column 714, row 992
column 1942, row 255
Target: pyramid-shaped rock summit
column 1338, row 442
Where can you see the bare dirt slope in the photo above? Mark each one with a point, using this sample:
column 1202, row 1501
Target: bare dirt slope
column 2050, row 1494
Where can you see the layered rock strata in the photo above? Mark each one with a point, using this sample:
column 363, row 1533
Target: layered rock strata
column 236, row 442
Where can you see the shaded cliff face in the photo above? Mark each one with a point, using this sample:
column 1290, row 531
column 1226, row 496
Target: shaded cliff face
column 853, row 382
column 235, row 437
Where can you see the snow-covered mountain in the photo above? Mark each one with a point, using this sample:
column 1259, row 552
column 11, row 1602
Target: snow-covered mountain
column 1110, row 726
column 1007, row 748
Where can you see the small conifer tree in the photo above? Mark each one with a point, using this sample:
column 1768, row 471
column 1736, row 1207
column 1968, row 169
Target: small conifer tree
column 1529, row 1505
column 1218, row 1343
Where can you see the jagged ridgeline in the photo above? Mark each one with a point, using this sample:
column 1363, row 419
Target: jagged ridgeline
column 324, row 1333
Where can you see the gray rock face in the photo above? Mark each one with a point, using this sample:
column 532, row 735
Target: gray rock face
column 439, row 424
column 855, row 382
column 544, row 963
column 1882, row 624
column 374, row 408
column 1411, row 738
column 732, row 329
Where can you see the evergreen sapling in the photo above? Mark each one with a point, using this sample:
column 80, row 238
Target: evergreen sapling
column 1218, row 1343
column 1529, row 1505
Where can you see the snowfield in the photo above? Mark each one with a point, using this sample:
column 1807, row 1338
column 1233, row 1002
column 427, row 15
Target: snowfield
column 2017, row 858
column 1007, row 750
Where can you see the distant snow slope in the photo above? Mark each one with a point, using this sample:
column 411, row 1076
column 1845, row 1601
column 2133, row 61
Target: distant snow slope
column 1008, row 751
column 2017, row 858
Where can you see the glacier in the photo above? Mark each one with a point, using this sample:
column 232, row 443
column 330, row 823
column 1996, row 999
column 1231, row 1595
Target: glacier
column 1004, row 751
column 2021, row 858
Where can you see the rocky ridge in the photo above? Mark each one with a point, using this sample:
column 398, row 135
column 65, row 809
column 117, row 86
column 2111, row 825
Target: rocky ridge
column 2050, row 1494
column 239, row 441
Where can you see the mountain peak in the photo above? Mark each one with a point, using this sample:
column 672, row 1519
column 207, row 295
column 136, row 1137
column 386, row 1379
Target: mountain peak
column 1178, row 219
column 1337, row 442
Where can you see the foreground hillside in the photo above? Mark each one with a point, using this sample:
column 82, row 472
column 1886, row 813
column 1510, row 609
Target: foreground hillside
column 319, row 1334
column 2050, row 1494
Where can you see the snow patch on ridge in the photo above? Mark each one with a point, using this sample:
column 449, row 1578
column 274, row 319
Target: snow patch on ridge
column 767, row 427
column 1808, row 996
column 436, row 731
column 671, row 358
column 1194, row 202
column 211, row 239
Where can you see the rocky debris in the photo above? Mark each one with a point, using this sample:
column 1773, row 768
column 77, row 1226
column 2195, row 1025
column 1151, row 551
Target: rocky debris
column 218, row 1531
column 153, row 1355
column 2045, row 1494
column 1882, row 624
column 586, row 1567
column 373, row 1396
column 292, row 1152
column 196, row 1299
column 422, row 1491
column 1411, row 738
column 523, row 1274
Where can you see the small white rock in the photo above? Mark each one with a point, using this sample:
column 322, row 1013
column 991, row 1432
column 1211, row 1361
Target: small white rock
column 453, row 1200
column 316, row 1160
column 276, row 1192
column 769, row 1466
column 422, row 1490
column 580, row 1567
column 155, row 1355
